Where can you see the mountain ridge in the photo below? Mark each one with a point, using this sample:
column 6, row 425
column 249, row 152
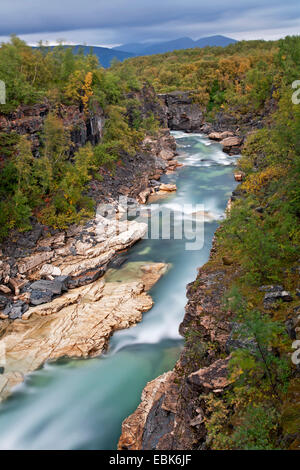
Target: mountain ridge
column 175, row 44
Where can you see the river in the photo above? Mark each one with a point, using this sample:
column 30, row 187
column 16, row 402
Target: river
column 80, row 404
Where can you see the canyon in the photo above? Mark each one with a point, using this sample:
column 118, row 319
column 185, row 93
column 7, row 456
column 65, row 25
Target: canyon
column 79, row 319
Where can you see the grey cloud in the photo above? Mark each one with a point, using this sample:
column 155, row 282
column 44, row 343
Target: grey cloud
column 115, row 21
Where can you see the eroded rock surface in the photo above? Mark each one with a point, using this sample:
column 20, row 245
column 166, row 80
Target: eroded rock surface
column 77, row 324
column 133, row 428
column 73, row 259
column 182, row 112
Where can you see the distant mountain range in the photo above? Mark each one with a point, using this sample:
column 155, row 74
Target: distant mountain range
column 169, row 46
column 106, row 55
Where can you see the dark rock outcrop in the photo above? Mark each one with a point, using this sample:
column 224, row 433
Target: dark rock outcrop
column 15, row 310
column 133, row 176
column 183, row 114
column 42, row 291
column 147, row 103
column 274, row 294
column 29, row 120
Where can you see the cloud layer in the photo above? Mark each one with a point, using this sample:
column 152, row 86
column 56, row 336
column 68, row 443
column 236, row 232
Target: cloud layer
column 119, row 21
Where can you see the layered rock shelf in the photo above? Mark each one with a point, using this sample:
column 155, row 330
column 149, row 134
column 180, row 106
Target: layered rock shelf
column 71, row 259
column 77, row 324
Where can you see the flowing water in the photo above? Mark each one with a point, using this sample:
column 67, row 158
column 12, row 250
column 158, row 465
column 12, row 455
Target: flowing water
column 80, row 404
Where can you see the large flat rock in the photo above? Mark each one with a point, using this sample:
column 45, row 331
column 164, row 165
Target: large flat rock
column 77, row 324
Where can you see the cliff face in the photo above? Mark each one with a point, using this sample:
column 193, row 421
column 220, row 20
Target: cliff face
column 29, row 120
column 176, row 408
column 147, row 102
column 182, row 113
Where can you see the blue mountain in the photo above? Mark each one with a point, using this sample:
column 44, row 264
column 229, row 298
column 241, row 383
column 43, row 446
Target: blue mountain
column 176, row 44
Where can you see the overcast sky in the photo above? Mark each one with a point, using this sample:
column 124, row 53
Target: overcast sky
column 111, row 22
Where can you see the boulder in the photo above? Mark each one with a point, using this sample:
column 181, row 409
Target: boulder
column 198, row 419
column 5, row 289
column 227, row 261
column 17, row 284
column 143, row 196
column 56, row 286
column 3, row 302
column 43, row 291
column 239, row 176
column 86, row 278
column 166, row 154
column 220, row 135
column 39, row 297
column 275, row 293
column 272, row 297
column 168, row 187
column 231, row 145
column 15, row 310
column 232, row 141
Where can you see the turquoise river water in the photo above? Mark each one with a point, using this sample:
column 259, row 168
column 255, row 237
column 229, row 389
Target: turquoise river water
column 80, row 404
